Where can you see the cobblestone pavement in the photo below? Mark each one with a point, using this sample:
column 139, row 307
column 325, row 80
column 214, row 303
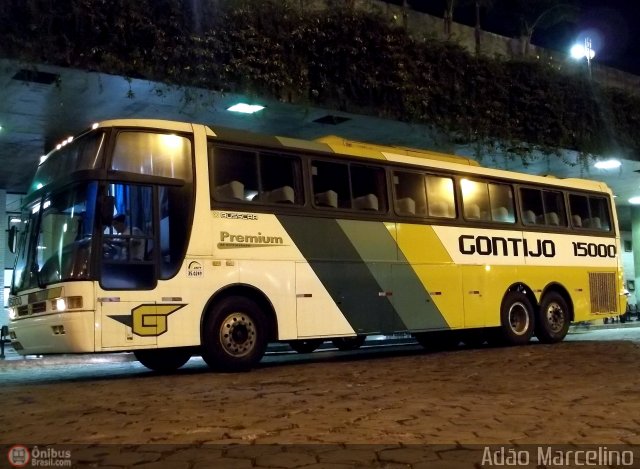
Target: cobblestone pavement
column 370, row 409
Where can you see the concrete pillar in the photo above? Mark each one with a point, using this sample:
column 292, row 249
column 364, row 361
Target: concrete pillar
column 635, row 244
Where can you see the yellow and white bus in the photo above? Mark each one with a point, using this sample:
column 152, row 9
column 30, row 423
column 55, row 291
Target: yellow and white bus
column 170, row 239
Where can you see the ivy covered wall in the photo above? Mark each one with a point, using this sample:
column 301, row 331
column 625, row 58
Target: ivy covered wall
column 340, row 58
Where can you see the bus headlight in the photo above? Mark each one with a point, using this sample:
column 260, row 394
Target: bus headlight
column 60, row 305
column 13, row 313
column 66, row 303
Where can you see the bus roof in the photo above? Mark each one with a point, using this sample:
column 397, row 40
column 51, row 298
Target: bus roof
column 353, row 147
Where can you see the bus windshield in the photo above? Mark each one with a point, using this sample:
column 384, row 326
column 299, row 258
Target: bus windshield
column 57, row 239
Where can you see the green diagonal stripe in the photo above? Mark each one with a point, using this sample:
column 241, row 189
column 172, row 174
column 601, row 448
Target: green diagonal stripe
column 356, row 261
column 343, row 273
column 411, row 301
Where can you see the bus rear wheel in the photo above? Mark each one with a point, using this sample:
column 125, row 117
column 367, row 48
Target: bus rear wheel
column 234, row 335
column 516, row 319
column 348, row 343
column 552, row 321
column 305, row 346
column 163, row 360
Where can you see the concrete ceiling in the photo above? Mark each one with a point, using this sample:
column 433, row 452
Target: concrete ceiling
column 40, row 105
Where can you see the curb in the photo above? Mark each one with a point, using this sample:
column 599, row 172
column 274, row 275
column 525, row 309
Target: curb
column 579, row 328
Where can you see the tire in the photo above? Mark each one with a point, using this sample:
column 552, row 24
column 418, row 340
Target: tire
column 552, row 321
column 517, row 322
column 163, row 360
column 305, row 346
column 438, row 341
column 234, row 335
column 348, row 343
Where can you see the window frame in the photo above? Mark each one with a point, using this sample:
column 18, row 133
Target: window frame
column 299, row 196
column 125, row 175
column 390, row 210
column 563, row 223
column 381, row 193
column 488, row 183
column 589, row 196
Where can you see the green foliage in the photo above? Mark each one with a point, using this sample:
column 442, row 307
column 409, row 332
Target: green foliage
column 341, row 57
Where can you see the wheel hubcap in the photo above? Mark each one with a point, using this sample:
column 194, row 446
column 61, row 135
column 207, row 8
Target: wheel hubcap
column 555, row 317
column 518, row 318
column 237, row 334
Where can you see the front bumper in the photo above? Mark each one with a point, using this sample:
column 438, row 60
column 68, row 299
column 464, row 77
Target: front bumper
column 69, row 332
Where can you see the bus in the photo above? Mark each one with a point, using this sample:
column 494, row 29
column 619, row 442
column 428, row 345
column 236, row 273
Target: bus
column 173, row 239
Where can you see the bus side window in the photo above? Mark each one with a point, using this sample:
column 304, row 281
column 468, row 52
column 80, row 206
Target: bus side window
column 440, row 196
column 589, row 212
column 501, row 199
column 579, row 209
column 280, row 179
column 600, row 210
column 331, row 184
column 368, row 188
column 475, row 199
column 409, row 193
column 531, row 206
column 554, row 212
column 233, row 174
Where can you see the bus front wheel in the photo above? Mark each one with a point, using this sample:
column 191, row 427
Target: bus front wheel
column 552, row 322
column 234, row 335
column 516, row 319
column 163, row 360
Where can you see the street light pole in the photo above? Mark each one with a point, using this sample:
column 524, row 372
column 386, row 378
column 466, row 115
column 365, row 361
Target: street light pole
column 580, row 51
column 588, row 51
